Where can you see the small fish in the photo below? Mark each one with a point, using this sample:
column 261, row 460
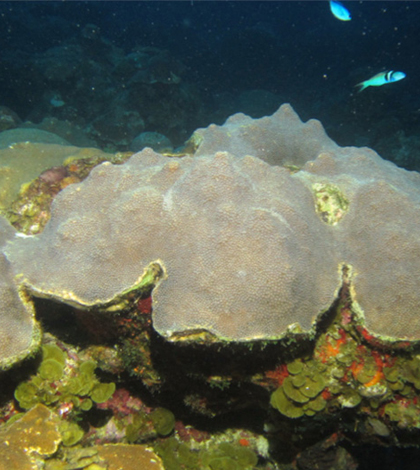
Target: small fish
column 381, row 79
column 339, row 11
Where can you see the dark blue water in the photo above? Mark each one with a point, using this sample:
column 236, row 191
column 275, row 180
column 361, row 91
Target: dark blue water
column 228, row 56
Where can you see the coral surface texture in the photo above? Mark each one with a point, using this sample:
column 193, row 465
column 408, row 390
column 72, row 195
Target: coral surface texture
column 246, row 250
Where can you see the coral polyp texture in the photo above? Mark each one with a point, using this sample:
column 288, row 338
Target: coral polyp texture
column 280, row 139
column 18, row 329
column 242, row 249
column 377, row 236
column 236, row 239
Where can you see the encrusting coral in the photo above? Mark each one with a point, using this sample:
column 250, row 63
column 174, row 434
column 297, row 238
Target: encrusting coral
column 220, row 246
column 37, row 435
column 26, row 440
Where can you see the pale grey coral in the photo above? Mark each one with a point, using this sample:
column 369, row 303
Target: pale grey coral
column 280, row 139
column 249, row 250
column 379, row 237
column 236, row 237
column 19, row 332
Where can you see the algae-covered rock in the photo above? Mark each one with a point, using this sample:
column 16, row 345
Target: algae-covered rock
column 129, row 457
column 25, row 160
column 229, row 457
column 212, row 455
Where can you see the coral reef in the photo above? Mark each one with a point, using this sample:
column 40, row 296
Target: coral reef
column 72, row 133
column 230, row 235
column 280, row 139
column 19, row 331
column 31, row 209
column 208, row 265
column 8, row 119
column 227, row 312
column 24, row 161
column 27, row 439
column 113, row 94
column 153, row 140
column 36, row 136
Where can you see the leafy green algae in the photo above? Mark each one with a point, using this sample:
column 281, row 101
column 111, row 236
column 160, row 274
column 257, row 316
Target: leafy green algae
column 71, row 433
column 224, row 456
column 59, row 382
column 163, row 421
column 50, row 369
column 300, row 392
column 102, row 392
column 282, row 403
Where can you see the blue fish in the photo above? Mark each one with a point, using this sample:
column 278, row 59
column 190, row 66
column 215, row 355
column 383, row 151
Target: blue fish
column 339, row 11
column 382, row 79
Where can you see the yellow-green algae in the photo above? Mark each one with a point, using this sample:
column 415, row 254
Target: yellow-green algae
column 330, row 202
column 163, row 421
column 299, row 393
column 58, row 382
column 71, row 433
column 102, row 392
column 217, row 456
column 381, row 385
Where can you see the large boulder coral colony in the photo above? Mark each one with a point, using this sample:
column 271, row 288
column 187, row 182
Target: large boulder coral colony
column 240, row 248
